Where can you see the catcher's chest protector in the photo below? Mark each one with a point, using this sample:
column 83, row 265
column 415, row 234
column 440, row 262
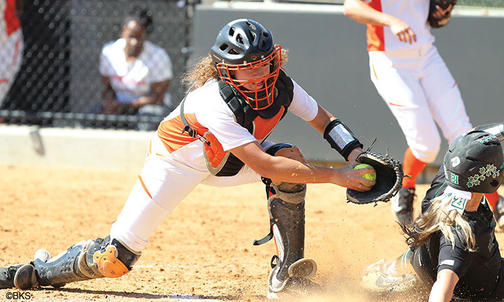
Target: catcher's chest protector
column 259, row 123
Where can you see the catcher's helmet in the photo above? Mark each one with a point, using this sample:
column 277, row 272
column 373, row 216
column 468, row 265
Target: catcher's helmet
column 243, row 45
column 474, row 163
column 242, row 41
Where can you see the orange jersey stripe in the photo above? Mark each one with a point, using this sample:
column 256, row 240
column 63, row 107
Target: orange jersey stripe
column 375, row 33
column 170, row 132
column 263, row 127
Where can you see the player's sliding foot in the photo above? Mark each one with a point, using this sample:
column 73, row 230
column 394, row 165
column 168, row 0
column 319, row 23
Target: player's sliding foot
column 384, row 276
column 297, row 283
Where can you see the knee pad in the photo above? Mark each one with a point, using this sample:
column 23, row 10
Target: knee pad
column 111, row 258
column 272, row 150
column 285, row 150
column 288, row 192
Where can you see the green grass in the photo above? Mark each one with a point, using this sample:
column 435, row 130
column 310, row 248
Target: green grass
column 488, row 3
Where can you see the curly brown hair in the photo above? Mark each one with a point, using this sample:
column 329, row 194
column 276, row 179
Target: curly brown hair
column 205, row 70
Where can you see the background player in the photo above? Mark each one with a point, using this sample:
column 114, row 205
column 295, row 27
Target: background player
column 11, row 44
column 452, row 245
column 415, row 83
column 217, row 136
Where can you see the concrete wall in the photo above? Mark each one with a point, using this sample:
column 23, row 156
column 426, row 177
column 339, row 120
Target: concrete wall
column 76, row 148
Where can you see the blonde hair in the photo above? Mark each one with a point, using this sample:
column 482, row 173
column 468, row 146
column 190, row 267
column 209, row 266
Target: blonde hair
column 439, row 217
column 205, row 70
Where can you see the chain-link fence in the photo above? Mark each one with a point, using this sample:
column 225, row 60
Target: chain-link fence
column 93, row 63
column 65, row 62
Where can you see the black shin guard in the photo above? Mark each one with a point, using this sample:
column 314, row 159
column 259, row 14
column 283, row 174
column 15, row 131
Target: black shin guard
column 71, row 265
column 286, row 206
column 78, row 263
column 287, row 212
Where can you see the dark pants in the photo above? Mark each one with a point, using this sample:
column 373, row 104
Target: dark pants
column 424, row 262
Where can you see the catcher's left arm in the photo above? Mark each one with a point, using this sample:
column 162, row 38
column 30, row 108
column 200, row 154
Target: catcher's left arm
column 388, row 171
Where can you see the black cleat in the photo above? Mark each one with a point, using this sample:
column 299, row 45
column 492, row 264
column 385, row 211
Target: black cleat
column 25, row 277
column 402, row 206
column 7, row 276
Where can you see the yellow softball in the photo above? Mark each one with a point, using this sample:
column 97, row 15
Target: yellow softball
column 369, row 176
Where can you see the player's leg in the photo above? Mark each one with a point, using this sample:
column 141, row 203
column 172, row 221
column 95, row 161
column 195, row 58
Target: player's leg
column 162, row 184
column 101, row 257
column 402, row 274
column 449, row 111
column 286, row 210
column 160, row 187
column 286, row 206
column 397, row 80
column 444, row 98
column 390, row 275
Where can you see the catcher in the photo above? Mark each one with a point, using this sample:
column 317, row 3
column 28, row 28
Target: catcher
column 453, row 249
column 217, row 136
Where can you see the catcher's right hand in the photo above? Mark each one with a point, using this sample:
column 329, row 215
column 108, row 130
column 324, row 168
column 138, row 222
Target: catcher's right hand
column 389, row 175
column 440, row 12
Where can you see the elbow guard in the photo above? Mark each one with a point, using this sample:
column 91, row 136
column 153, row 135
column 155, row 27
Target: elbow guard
column 341, row 138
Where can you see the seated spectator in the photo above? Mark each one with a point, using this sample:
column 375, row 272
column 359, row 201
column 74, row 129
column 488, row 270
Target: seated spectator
column 136, row 73
column 11, row 44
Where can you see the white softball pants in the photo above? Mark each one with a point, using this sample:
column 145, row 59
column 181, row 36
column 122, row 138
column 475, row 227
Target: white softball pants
column 162, row 184
column 420, row 91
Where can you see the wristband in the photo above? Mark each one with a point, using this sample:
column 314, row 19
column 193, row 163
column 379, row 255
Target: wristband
column 341, row 138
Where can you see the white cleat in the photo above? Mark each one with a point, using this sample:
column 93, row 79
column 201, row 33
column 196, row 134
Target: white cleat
column 379, row 277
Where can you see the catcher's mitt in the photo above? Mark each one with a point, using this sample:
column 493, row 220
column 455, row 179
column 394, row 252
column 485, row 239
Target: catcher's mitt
column 389, row 177
column 441, row 21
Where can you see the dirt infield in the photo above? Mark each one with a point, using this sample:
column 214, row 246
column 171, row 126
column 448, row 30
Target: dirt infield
column 202, row 251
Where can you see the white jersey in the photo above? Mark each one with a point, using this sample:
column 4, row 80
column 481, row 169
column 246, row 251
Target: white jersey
column 205, row 110
column 176, row 165
column 9, row 22
column 133, row 80
column 413, row 12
